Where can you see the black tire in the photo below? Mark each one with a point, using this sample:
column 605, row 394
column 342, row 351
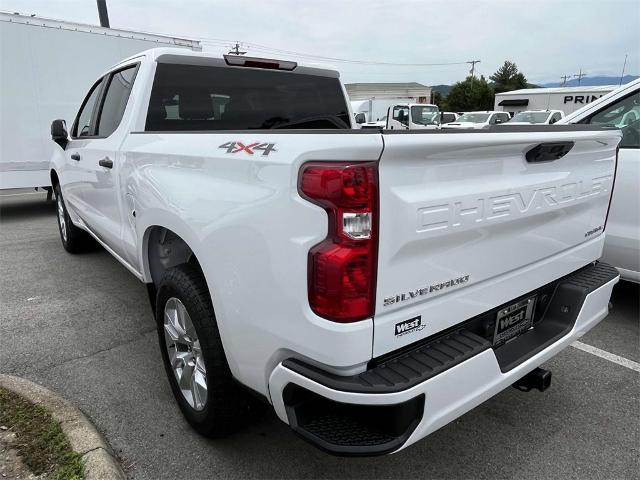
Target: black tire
column 74, row 239
column 228, row 407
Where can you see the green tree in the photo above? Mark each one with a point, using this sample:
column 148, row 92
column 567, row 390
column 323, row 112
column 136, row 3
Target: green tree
column 441, row 101
column 471, row 94
column 508, row 78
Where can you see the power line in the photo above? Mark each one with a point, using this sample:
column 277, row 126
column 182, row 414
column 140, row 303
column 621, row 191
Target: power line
column 564, row 79
column 266, row 49
column 235, row 45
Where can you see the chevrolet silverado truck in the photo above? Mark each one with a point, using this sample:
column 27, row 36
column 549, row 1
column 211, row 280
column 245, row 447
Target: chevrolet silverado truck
column 370, row 286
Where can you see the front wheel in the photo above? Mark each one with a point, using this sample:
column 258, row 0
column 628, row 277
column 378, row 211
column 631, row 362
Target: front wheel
column 194, row 358
column 74, row 239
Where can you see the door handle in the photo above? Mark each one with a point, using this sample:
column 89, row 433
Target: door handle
column 106, row 162
column 75, row 156
column 548, row 152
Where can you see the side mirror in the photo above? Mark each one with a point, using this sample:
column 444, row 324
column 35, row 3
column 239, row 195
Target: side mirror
column 59, row 133
column 360, row 118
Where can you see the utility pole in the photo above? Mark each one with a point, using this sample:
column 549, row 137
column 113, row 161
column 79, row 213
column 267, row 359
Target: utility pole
column 564, row 79
column 102, row 13
column 473, row 73
column 236, row 50
column 473, row 68
column 579, row 76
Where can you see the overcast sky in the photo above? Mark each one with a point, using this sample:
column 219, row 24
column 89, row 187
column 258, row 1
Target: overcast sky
column 545, row 38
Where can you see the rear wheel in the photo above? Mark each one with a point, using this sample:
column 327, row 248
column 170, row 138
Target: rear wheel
column 194, row 358
column 74, row 239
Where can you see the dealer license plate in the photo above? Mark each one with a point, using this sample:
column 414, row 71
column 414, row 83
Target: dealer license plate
column 513, row 320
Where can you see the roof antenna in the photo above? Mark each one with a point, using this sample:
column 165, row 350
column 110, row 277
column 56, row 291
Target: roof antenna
column 624, row 66
column 236, row 50
column 102, row 13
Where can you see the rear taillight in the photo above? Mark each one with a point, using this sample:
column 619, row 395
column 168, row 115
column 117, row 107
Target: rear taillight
column 342, row 268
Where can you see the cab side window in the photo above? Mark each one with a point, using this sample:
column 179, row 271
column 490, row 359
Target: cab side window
column 83, row 126
column 115, row 100
column 401, row 114
column 624, row 114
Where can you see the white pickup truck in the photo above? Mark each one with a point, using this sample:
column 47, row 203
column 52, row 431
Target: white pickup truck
column 370, row 286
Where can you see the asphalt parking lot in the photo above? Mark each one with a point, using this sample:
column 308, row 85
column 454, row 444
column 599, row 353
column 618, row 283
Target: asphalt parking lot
column 81, row 325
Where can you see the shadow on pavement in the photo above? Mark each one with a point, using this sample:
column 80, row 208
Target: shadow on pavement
column 21, row 208
column 626, row 296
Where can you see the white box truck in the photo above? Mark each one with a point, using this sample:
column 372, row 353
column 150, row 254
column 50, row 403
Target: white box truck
column 375, row 110
column 566, row 99
column 37, row 85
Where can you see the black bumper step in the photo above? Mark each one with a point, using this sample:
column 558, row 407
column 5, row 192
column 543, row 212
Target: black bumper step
column 351, row 429
column 402, row 372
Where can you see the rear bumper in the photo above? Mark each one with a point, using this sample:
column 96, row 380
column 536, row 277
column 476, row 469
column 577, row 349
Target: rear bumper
column 405, row 398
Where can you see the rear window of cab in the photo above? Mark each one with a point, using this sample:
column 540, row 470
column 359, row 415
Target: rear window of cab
column 208, row 98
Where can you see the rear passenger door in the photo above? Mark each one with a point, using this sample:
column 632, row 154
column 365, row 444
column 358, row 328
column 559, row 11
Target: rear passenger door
column 99, row 159
column 623, row 223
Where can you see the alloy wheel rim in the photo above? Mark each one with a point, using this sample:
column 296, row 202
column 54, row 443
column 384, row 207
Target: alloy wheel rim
column 61, row 220
column 185, row 353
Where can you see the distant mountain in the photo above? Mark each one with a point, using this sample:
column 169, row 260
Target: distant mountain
column 593, row 81
column 586, row 82
column 443, row 89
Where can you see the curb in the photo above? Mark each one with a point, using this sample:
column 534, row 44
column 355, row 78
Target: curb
column 99, row 460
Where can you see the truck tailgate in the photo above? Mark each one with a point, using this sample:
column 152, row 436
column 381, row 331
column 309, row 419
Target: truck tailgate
column 467, row 222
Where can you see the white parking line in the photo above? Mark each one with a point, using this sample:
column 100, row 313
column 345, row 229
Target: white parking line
column 625, row 362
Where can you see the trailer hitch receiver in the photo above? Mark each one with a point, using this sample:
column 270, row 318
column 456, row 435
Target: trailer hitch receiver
column 540, row 379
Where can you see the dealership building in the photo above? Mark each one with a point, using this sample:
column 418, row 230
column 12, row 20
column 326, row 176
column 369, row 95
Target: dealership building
column 417, row 92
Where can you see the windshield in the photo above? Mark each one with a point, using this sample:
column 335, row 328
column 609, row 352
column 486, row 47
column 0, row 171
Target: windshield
column 531, row 117
column 425, row 115
column 207, row 98
column 474, row 117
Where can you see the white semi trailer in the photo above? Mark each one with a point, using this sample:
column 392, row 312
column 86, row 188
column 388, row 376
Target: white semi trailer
column 565, row 99
column 37, row 85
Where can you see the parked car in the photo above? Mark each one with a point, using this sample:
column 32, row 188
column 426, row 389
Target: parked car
column 621, row 108
column 539, row 117
column 274, row 240
column 477, row 120
column 448, row 117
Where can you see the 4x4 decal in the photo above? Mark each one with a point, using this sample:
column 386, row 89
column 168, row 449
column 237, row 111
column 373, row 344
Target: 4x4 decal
column 237, row 147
